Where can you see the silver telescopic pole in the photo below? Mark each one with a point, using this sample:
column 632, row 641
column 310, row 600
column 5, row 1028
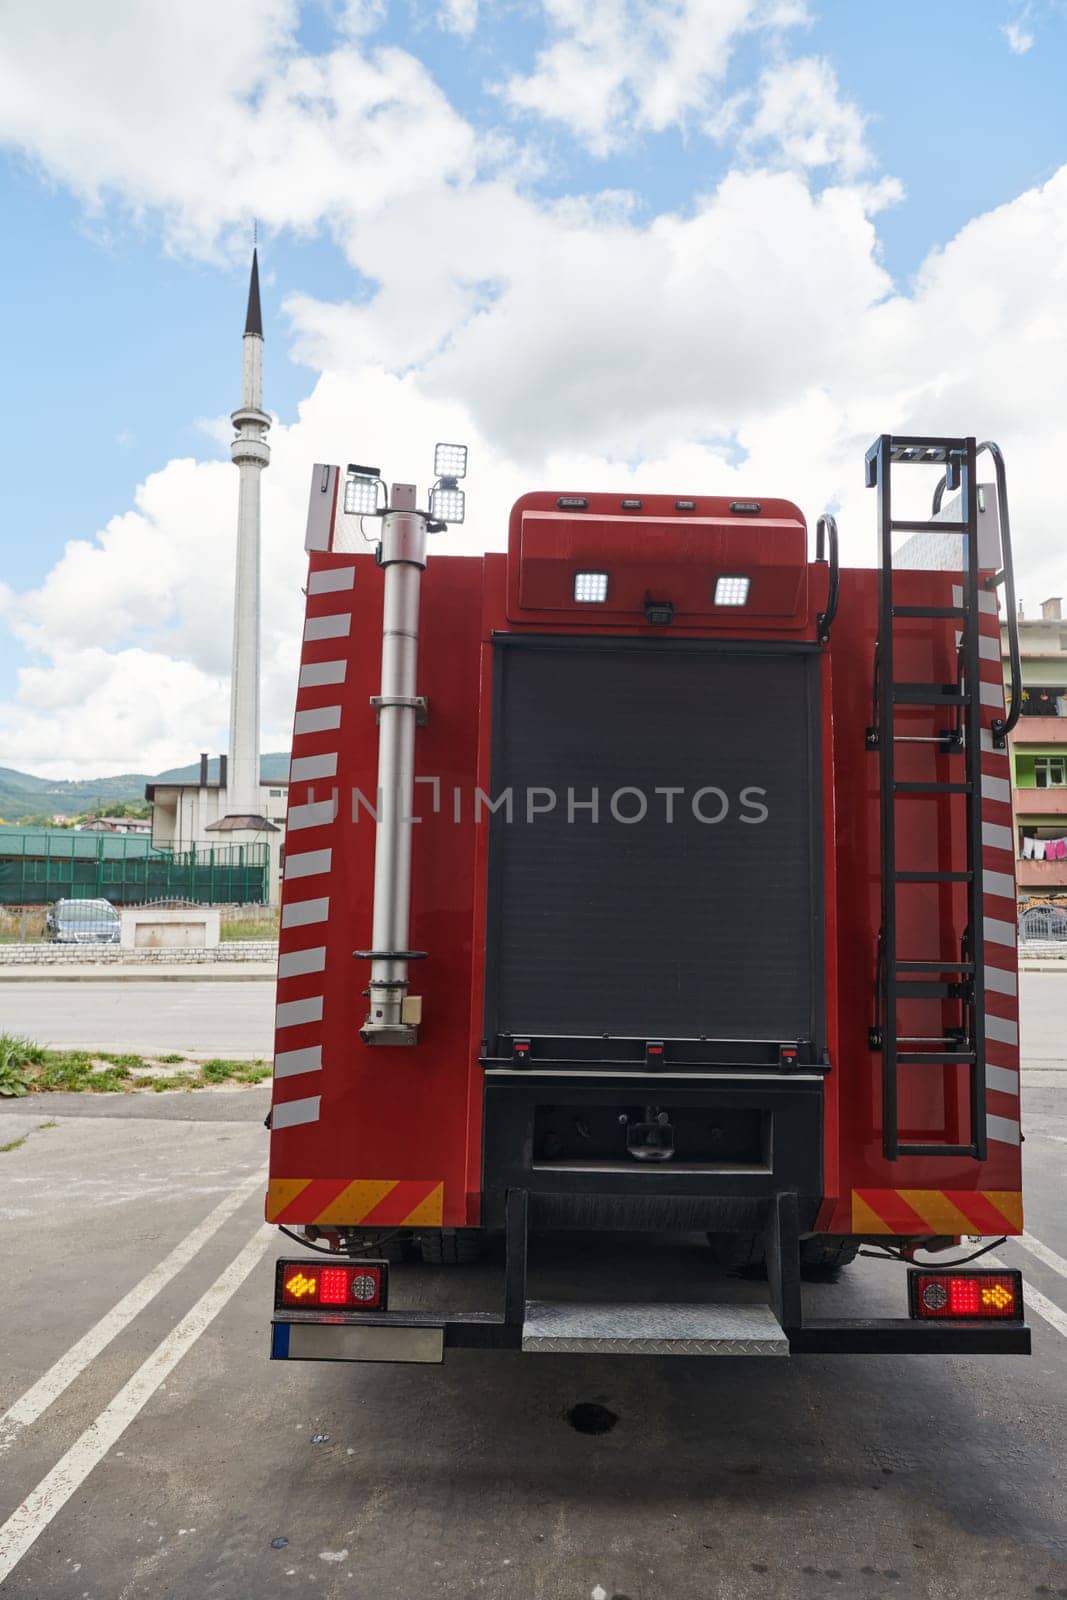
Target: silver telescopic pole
column 403, row 555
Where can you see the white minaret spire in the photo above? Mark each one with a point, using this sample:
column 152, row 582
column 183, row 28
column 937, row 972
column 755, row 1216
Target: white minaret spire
column 251, row 454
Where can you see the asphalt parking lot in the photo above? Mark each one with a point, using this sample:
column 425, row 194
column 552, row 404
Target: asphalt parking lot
column 150, row 1449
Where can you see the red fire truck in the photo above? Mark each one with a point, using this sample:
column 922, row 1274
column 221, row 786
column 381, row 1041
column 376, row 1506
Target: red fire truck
column 651, row 878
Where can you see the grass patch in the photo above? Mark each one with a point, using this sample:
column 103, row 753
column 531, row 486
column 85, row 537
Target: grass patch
column 250, row 928
column 18, row 1058
column 28, row 1068
column 13, row 1144
column 41, row 1126
column 175, row 1080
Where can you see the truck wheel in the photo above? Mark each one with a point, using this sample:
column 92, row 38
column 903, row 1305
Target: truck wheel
column 826, row 1252
column 738, row 1252
column 393, row 1248
column 451, row 1247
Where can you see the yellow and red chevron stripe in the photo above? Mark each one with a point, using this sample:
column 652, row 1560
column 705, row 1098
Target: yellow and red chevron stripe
column 370, row 1202
column 940, row 1211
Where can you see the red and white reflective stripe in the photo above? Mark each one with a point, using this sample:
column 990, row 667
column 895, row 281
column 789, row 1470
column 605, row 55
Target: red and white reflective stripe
column 315, row 759
column 999, row 906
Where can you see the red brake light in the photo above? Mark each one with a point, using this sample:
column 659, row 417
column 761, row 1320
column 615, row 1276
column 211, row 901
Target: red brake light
column 966, row 1296
column 356, row 1286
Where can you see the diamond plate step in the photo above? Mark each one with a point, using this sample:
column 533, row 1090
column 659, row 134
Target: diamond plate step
column 559, row 1327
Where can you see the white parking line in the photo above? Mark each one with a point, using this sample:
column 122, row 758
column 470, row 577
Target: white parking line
column 29, row 1406
column 29, row 1520
column 1033, row 1299
column 1042, row 1252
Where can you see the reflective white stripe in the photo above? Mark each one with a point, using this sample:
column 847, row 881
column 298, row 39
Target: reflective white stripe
column 318, row 720
column 985, row 739
column 302, row 769
column 1000, row 1029
column 996, row 837
column 991, row 694
column 989, row 647
column 996, row 788
column 292, row 963
column 330, row 579
column 314, row 815
column 987, row 602
column 1001, row 981
column 1002, row 1080
column 288, row 1063
column 335, row 627
column 293, row 1113
column 314, row 674
column 291, row 1013
column 298, row 913
column 1001, row 1130
column 308, row 863
column 1000, row 883
column 998, row 932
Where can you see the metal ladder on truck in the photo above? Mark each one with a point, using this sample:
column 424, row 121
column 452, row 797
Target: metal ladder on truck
column 953, row 974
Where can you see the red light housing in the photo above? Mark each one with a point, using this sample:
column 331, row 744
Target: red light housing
column 966, row 1296
column 342, row 1286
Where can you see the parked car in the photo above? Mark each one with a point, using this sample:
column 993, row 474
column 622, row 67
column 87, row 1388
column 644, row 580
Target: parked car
column 82, row 922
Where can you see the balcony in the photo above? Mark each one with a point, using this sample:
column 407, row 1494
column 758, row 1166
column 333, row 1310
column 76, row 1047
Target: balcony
column 1040, row 730
column 1041, row 874
column 1040, row 803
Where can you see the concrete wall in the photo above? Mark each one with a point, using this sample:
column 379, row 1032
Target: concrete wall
column 112, row 955
column 169, row 927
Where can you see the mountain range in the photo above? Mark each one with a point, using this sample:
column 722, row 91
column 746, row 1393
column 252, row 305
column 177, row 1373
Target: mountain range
column 23, row 795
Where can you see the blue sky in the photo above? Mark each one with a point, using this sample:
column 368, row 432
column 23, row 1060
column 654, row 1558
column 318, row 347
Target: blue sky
column 122, row 313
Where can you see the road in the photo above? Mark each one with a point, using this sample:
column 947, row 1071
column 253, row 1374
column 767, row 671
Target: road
column 205, row 1018
column 237, row 1018
column 151, row 1450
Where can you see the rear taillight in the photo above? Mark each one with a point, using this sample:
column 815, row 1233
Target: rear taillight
column 966, row 1296
column 355, row 1286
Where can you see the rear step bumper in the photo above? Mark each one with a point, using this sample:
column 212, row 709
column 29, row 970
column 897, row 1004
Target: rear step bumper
column 648, row 1328
column 402, row 1337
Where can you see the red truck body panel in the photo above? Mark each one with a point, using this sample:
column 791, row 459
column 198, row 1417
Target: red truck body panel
column 375, row 1137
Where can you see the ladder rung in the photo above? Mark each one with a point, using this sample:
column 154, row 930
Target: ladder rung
column 916, row 1058
column 936, row 1150
column 931, row 788
column 947, row 741
column 927, row 694
column 908, row 450
column 930, row 611
column 933, row 877
column 927, row 991
column 935, row 966
column 928, row 527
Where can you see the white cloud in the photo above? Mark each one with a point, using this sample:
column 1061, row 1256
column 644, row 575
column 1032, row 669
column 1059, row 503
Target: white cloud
column 210, row 137
column 458, row 16
column 802, row 120
column 1019, row 37
column 612, row 70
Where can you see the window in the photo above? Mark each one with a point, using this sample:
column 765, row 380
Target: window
column 276, row 794
column 1050, row 772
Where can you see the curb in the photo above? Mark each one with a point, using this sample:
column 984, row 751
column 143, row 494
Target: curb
column 233, row 972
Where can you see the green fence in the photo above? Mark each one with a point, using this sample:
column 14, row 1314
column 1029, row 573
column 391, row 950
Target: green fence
column 42, row 864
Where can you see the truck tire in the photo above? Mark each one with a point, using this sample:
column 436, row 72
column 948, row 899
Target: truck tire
column 827, row 1252
column 451, row 1247
column 820, row 1254
column 738, row 1252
